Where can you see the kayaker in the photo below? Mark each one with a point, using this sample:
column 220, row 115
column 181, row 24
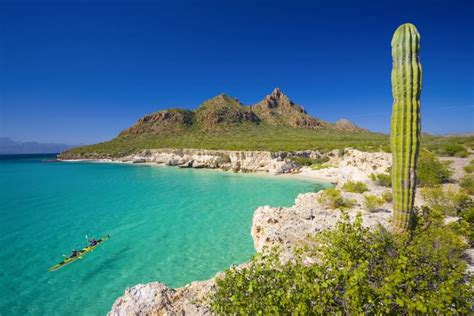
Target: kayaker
column 92, row 242
column 74, row 254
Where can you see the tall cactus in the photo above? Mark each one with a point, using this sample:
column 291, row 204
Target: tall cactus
column 405, row 130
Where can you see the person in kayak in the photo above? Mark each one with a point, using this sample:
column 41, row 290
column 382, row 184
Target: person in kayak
column 92, row 242
column 74, row 254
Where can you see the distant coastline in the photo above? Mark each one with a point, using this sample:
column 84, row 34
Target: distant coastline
column 11, row 147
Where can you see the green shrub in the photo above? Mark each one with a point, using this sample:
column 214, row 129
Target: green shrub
column 302, row 161
column 450, row 200
column 431, row 171
column 470, row 167
column 307, row 161
column 467, row 182
column 468, row 215
column 455, row 150
column 359, row 271
column 372, row 202
column 332, row 199
column 387, row 196
column 321, row 160
column 382, row 179
column 355, row 187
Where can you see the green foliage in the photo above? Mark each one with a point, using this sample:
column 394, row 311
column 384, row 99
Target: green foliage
column 468, row 216
column 302, row 161
column 372, row 202
column 387, row 196
column 355, row 187
column 467, row 182
column 470, row 167
column 332, row 199
column 431, row 171
column 449, row 199
column 382, row 179
column 455, row 150
column 359, row 271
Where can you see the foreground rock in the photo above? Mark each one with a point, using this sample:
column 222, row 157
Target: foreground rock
column 288, row 227
column 157, row 299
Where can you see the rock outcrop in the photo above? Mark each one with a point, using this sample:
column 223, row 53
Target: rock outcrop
column 156, row 298
column 223, row 111
column 171, row 120
column 237, row 161
column 278, row 109
column 287, row 227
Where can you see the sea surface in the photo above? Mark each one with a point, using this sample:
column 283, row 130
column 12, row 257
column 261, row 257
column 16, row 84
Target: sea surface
column 165, row 224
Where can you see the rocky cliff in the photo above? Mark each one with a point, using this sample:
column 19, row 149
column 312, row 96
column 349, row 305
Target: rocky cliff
column 228, row 160
column 278, row 109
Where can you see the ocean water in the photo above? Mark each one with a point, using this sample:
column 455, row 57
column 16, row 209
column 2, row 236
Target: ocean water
column 166, row 224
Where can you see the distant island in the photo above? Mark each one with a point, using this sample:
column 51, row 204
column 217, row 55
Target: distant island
column 11, row 147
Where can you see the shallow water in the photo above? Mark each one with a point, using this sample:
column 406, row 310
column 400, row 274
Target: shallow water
column 167, row 224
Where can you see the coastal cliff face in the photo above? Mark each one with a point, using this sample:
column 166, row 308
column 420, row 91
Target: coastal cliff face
column 237, row 161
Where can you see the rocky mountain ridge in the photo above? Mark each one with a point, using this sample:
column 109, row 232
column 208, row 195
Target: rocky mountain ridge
column 223, row 112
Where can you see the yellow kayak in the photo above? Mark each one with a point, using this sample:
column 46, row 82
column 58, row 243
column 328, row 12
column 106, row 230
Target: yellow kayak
column 80, row 254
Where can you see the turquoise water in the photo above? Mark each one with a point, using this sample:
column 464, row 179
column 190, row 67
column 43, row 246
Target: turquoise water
column 167, row 224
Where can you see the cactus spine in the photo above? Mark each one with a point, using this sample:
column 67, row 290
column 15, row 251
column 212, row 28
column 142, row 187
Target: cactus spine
column 405, row 129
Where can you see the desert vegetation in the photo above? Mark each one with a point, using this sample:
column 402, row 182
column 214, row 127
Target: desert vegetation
column 359, row 271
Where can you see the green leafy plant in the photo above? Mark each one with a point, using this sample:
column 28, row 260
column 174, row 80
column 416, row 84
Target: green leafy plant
column 449, row 199
column 455, row 150
column 359, row 272
column 332, row 199
column 431, row 171
column 387, row 196
column 467, row 182
column 382, row 179
column 355, row 187
column 372, row 202
column 470, row 167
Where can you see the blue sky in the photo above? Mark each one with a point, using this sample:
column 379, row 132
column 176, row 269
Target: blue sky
column 81, row 71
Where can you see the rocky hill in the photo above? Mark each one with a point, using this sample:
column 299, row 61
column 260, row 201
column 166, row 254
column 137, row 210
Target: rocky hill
column 224, row 112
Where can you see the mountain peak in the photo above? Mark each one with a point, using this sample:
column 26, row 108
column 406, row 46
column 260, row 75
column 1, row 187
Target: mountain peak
column 276, row 92
column 346, row 125
column 278, row 109
column 221, row 100
column 278, row 99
